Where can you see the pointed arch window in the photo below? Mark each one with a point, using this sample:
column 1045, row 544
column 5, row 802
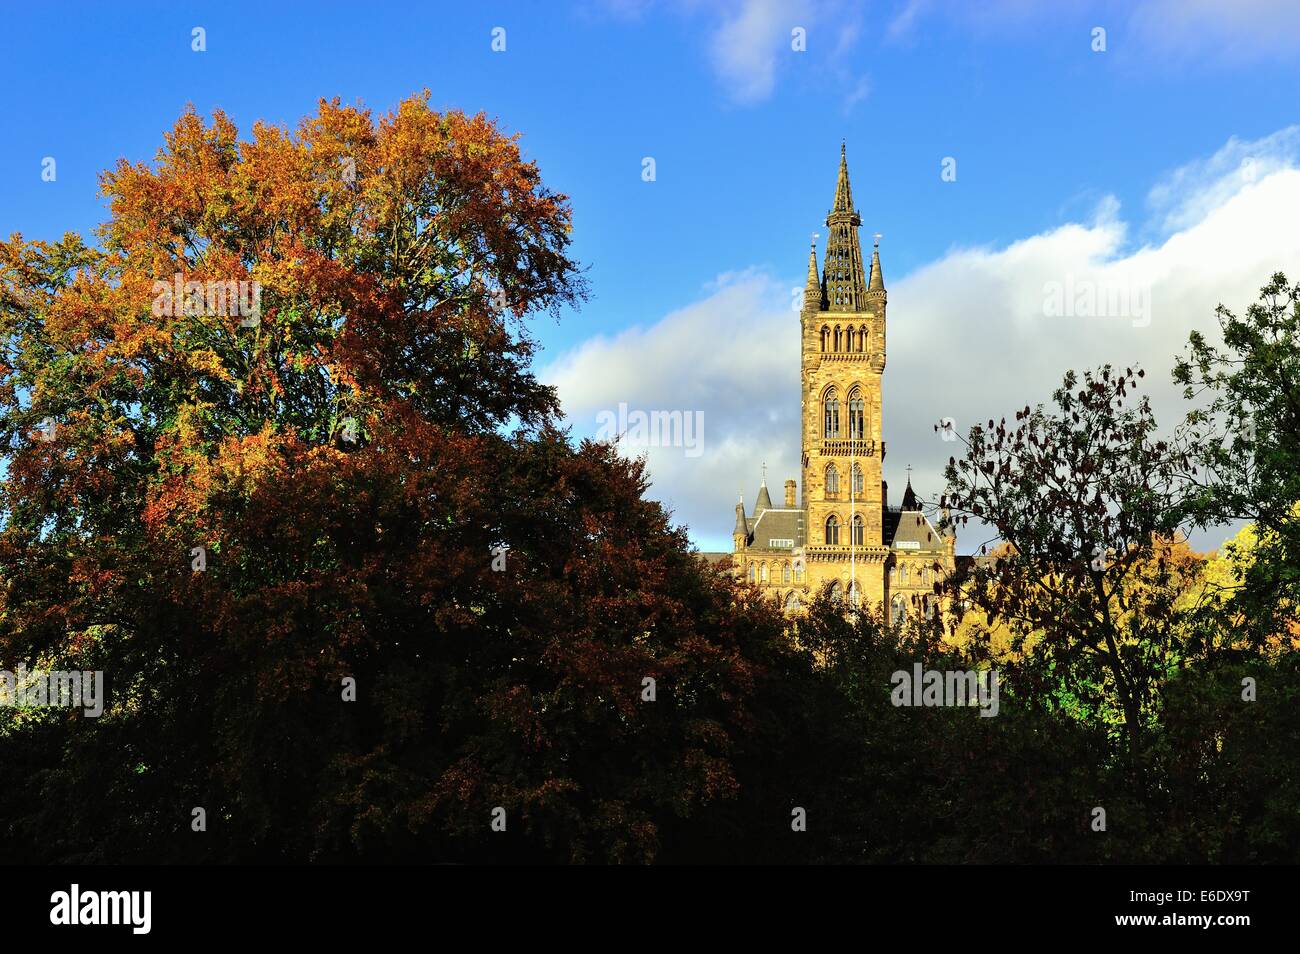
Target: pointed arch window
column 764, row 576
column 857, row 417
column 832, row 480
column 792, row 600
column 785, row 572
column 857, row 531
column 831, row 422
column 826, row 338
column 752, row 572
column 899, row 613
column 855, row 595
column 857, row 480
column 839, row 337
column 902, row 575
column 862, row 339
column 832, row 531
column 837, row 592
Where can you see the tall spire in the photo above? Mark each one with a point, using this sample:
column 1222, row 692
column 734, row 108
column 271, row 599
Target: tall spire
column 843, row 192
column 843, row 277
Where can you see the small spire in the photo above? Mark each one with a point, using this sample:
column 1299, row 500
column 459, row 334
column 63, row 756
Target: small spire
column 909, row 496
column 742, row 528
column 812, row 289
column 877, row 283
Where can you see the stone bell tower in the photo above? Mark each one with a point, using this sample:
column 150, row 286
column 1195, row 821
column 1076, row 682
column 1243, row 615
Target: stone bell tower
column 842, row 360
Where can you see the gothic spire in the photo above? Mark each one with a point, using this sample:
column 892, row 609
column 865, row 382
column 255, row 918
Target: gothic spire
column 843, row 193
column 909, row 496
column 812, row 289
column 843, row 276
column 877, row 279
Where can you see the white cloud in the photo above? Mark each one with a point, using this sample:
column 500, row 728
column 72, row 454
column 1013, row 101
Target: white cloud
column 732, row 356
column 969, row 335
column 1212, row 30
column 1190, row 193
column 746, row 45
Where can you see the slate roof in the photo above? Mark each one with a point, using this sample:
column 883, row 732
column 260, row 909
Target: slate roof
column 912, row 527
column 777, row 525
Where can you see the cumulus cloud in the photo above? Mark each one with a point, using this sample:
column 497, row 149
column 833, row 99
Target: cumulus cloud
column 973, row 335
column 731, row 357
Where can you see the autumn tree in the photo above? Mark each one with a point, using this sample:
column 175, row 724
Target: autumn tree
column 277, row 463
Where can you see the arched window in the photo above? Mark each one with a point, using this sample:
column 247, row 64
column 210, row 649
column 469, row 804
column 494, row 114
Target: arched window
column 902, row 575
column 857, row 416
column 857, row 480
column 752, row 572
column 857, row 531
column 837, row 592
column 893, row 575
column 899, row 614
column 764, row 573
column 785, row 572
column 826, row 338
column 862, row 338
column 792, row 600
column 924, row 576
column 832, row 480
column 855, row 595
column 798, row 571
column 831, row 424
column 832, row 531
column 839, row 339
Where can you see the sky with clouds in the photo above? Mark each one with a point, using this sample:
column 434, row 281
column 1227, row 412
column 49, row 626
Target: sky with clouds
column 1165, row 166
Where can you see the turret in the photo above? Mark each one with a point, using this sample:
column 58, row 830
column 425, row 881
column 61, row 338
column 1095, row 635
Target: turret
column 740, row 536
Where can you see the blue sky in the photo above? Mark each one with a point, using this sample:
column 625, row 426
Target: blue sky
column 1116, row 157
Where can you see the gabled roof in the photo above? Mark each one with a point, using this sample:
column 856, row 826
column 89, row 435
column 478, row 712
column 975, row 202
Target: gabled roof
column 913, row 531
column 780, row 525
